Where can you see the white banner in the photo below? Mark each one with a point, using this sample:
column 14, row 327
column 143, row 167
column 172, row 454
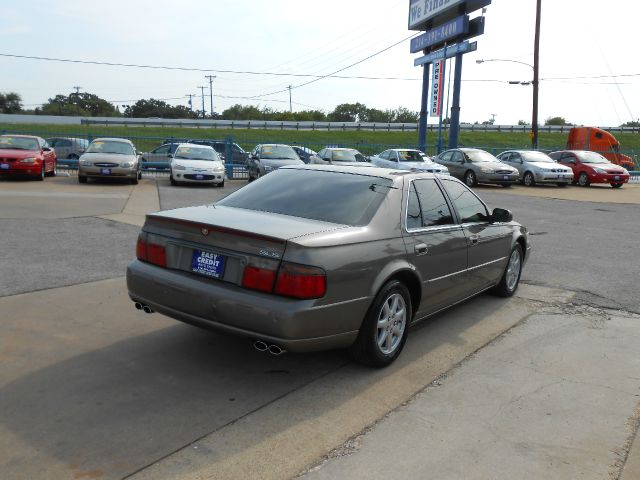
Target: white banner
column 436, row 88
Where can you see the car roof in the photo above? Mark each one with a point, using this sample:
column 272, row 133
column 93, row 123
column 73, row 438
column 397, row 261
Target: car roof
column 20, row 136
column 368, row 169
column 196, row 145
column 110, row 139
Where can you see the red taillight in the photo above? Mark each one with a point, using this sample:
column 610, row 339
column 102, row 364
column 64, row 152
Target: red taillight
column 257, row 278
column 300, row 281
column 150, row 252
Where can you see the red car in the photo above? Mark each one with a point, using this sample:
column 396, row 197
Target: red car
column 590, row 167
column 26, row 155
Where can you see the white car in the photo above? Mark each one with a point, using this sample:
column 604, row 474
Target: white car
column 537, row 167
column 193, row 163
column 407, row 159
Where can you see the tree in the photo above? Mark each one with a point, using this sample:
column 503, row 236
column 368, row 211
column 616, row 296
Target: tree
column 157, row 108
column 349, row 112
column 84, row 104
column 634, row 123
column 523, row 122
column 10, row 103
column 404, row 115
column 556, row 121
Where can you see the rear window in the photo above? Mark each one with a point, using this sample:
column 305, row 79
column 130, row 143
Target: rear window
column 334, row 197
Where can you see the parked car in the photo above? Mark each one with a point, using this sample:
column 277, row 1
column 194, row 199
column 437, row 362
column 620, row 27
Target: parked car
column 26, row 155
column 160, row 156
column 590, row 167
column 68, row 148
column 322, row 266
column 407, row 159
column 338, row 156
column 269, row 157
column 304, row 153
column 537, row 167
column 238, row 155
column 474, row 166
column 193, row 163
column 109, row 158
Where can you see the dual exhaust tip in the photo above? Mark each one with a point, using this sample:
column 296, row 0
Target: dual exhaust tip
column 258, row 344
column 143, row 307
column 265, row 347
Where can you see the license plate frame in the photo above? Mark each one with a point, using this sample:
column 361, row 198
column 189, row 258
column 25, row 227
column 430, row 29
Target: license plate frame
column 4, row 166
column 505, row 177
column 208, row 264
column 617, row 177
column 199, row 176
column 105, row 171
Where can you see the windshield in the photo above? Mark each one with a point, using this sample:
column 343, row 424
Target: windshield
column 282, row 152
column 538, row 157
column 410, row 156
column 196, row 153
column 108, row 146
column 478, row 156
column 336, row 197
column 592, row 157
column 344, row 156
column 8, row 142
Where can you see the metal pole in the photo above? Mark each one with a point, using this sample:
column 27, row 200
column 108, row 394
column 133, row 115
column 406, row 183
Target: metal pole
column 202, row 92
column 210, row 77
column 454, row 132
column 77, row 89
column 190, row 95
column 290, row 107
column 536, row 55
column 424, row 110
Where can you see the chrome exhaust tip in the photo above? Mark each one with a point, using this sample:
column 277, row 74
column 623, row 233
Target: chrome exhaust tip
column 276, row 350
column 138, row 306
column 260, row 346
column 147, row 309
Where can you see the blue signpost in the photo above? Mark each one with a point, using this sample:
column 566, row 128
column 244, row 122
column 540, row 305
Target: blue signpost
column 447, row 30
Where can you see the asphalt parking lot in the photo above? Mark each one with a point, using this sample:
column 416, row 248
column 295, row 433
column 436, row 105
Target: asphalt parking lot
column 546, row 383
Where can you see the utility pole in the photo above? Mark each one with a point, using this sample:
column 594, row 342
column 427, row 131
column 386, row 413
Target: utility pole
column 536, row 56
column 77, row 94
column 290, row 107
column 202, row 92
column 190, row 95
column 210, row 77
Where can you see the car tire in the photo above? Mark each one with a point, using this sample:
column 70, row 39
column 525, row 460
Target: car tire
column 511, row 276
column 616, row 185
column 528, row 179
column 384, row 329
column 221, row 184
column 583, row 180
column 470, row 178
column 82, row 179
column 42, row 173
column 171, row 179
column 139, row 174
column 134, row 181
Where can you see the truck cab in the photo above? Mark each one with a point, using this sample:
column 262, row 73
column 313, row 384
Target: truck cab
column 599, row 141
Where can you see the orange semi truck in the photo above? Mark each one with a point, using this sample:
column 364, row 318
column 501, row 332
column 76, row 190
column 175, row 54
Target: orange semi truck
column 600, row 141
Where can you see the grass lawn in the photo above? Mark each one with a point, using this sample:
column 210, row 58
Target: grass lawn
column 368, row 142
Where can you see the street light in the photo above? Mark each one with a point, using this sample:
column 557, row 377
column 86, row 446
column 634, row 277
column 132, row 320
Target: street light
column 534, row 114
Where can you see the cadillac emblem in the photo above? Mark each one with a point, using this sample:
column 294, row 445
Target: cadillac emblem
column 204, row 231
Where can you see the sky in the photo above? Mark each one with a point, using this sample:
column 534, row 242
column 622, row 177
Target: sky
column 589, row 68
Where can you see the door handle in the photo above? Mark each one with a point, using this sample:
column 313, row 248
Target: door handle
column 473, row 240
column 421, row 249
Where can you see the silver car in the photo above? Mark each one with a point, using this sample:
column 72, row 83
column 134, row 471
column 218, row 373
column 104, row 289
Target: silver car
column 109, row 158
column 338, row 156
column 318, row 257
column 407, row 159
column 68, row 148
column 474, row 166
column 269, row 157
column 537, row 167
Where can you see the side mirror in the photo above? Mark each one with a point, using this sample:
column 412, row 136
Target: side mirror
column 46, row 149
column 501, row 215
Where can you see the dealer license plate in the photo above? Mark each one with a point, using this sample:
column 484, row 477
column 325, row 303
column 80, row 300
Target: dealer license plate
column 199, row 177
column 505, row 177
column 207, row 263
column 617, row 177
column 105, row 171
column 4, row 166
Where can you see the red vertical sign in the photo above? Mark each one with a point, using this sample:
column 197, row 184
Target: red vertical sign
column 436, row 88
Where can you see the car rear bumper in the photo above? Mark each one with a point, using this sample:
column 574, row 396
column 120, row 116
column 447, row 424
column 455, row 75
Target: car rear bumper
column 295, row 325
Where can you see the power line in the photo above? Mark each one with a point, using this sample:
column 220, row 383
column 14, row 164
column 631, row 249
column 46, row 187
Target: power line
column 195, row 69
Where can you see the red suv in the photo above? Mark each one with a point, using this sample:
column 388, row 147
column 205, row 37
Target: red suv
column 590, row 167
column 26, row 155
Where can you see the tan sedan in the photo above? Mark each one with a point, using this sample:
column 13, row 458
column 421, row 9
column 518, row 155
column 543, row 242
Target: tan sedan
column 109, row 158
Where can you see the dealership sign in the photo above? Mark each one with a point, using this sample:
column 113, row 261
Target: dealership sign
column 436, row 88
column 451, row 51
column 456, row 27
column 421, row 11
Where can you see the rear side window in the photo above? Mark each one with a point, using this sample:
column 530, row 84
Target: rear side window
column 334, row 197
column 469, row 207
column 427, row 206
